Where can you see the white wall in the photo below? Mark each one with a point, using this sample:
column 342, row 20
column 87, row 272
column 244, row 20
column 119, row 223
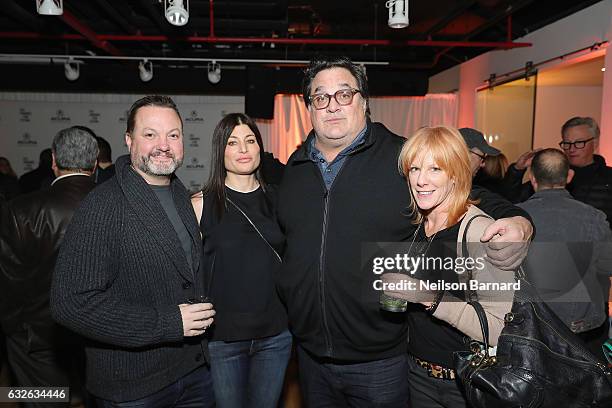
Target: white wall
column 29, row 121
column 556, row 104
column 582, row 29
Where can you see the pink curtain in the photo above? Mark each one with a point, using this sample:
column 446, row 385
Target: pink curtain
column 402, row 115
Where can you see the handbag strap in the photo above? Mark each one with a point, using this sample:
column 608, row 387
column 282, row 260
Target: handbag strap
column 255, row 228
column 472, row 295
column 484, row 324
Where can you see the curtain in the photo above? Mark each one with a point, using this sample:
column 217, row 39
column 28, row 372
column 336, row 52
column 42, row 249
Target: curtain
column 402, row 115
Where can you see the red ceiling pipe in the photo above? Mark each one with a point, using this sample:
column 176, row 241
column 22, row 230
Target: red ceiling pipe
column 88, row 33
column 276, row 40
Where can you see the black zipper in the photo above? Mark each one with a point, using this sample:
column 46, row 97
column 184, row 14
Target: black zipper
column 328, row 344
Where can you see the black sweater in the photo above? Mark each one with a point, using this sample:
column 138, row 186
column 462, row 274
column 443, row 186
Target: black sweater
column 119, row 278
column 241, row 268
column 328, row 289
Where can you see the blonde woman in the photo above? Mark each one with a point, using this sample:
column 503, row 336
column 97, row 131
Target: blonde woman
column 435, row 161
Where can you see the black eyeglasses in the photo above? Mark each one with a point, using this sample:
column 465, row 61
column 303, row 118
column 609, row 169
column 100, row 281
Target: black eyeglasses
column 482, row 156
column 343, row 97
column 579, row 144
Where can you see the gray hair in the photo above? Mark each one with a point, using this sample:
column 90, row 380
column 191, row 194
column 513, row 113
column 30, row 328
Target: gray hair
column 75, row 148
column 580, row 121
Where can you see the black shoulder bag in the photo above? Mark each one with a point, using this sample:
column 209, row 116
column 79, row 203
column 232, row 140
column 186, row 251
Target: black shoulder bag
column 539, row 361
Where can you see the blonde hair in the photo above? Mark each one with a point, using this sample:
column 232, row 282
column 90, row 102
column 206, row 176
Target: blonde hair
column 495, row 166
column 450, row 153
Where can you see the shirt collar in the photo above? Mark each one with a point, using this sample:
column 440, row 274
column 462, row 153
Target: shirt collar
column 69, row 175
column 315, row 154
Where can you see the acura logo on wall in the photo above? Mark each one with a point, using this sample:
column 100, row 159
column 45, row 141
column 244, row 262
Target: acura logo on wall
column 24, row 115
column 28, row 164
column 94, row 117
column 123, row 119
column 194, row 141
column 60, row 117
column 26, row 139
column 195, row 164
column 193, row 117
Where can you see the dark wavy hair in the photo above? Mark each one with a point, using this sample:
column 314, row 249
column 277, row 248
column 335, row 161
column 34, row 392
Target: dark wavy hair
column 321, row 63
column 214, row 189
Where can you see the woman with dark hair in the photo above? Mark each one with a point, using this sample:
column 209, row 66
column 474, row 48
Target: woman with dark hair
column 250, row 343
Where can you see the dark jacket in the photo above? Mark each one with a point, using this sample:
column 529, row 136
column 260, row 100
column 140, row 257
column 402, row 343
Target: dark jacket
column 38, row 179
column 33, row 227
column 328, row 288
column 119, row 279
column 570, row 259
column 595, row 188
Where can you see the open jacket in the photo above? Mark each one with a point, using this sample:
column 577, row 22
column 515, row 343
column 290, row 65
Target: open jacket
column 333, row 308
column 119, row 279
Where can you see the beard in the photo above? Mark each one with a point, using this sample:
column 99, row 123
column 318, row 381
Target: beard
column 148, row 166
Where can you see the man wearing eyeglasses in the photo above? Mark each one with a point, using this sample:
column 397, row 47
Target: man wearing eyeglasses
column 342, row 189
column 592, row 182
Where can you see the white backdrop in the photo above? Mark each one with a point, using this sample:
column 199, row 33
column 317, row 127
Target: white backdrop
column 29, row 121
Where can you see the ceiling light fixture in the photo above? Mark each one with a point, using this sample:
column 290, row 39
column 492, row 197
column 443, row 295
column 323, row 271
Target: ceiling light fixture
column 145, row 68
column 214, row 72
column 71, row 69
column 176, row 13
column 50, row 7
column 398, row 13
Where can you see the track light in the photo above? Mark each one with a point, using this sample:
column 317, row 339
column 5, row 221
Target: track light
column 50, row 7
column 71, row 70
column 176, row 13
column 214, row 72
column 398, row 13
column 145, row 68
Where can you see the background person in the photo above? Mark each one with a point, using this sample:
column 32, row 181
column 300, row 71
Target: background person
column 570, row 260
column 40, row 352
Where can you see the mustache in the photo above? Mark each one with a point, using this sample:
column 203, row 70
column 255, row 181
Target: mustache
column 159, row 153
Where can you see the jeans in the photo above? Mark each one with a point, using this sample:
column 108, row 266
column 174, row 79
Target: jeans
column 192, row 391
column 249, row 373
column 429, row 392
column 379, row 383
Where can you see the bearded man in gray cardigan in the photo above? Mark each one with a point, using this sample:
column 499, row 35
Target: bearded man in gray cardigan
column 127, row 275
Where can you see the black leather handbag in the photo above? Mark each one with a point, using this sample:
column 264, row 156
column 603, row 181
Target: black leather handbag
column 539, row 362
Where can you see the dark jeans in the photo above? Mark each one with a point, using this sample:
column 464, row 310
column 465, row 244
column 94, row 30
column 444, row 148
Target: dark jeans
column 428, row 392
column 192, row 391
column 249, row 373
column 380, row 383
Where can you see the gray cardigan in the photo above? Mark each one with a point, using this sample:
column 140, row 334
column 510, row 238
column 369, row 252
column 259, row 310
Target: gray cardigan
column 118, row 281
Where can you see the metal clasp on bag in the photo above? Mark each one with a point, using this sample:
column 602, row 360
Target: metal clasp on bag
column 480, row 357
